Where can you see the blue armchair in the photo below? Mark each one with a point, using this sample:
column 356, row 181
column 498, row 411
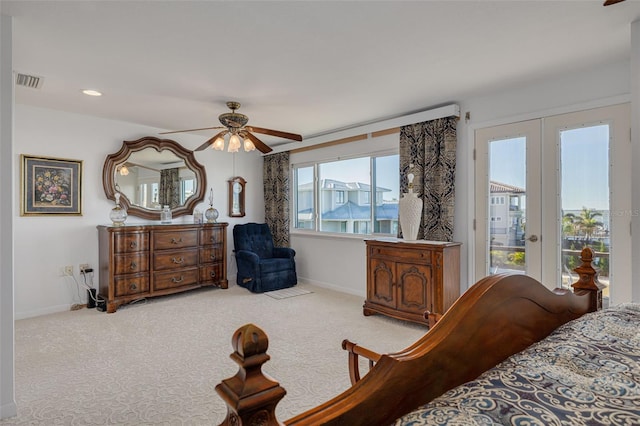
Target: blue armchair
column 261, row 266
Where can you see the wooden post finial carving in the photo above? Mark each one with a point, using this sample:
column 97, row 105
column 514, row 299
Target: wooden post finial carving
column 251, row 396
column 588, row 279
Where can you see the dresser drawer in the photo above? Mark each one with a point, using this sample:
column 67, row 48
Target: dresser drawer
column 175, row 239
column 131, row 284
column 419, row 255
column 211, row 273
column 177, row 278
column 131, row 242
column 131, row 263
column 211, row 236
column 210, row 254
column 173, row 259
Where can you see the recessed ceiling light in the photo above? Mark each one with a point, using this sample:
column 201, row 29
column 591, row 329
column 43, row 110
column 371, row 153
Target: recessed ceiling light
column 91, row 92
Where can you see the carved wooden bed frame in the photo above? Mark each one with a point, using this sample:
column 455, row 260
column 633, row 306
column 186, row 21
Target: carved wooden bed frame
column 497, row 317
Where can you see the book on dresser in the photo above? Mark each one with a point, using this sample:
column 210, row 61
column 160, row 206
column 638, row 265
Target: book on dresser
column 140, row 261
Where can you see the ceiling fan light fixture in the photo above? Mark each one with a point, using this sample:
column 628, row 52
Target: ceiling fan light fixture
column 218, row 144
column 248, row 145
column 234, row 143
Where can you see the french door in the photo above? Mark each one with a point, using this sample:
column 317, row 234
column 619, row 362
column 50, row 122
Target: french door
column 548, row 187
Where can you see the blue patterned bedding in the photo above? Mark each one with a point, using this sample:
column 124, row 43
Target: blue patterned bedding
column 587, row 372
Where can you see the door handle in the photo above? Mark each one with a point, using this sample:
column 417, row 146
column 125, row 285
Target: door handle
column 533, row 238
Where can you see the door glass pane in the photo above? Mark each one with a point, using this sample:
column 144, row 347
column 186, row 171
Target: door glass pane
column 304, row 198
column 507, row 196
column 585, row 199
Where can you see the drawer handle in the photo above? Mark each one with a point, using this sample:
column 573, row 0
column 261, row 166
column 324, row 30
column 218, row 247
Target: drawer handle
column 212, row 239
column 134, row 265
column 177, row 280
column 133, row 244
column 133, row 286
column 174, row 241
column 213, row 274
column 178, row 261
column 212, row 257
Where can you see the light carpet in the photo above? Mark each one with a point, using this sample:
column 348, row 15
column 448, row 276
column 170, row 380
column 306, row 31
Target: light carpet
column 158, row 363
column 286, row 293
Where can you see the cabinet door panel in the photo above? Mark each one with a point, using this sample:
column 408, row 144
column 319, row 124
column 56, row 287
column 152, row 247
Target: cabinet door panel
column 383, row 283
column 414, row 288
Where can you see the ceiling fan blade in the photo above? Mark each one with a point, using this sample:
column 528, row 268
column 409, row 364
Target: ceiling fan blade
column 610, row 2
column 210, row 141
column 190, row 130
column 278, row 133
column 260, row 146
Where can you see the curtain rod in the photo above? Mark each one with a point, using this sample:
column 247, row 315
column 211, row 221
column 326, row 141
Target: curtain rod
column 418, row 117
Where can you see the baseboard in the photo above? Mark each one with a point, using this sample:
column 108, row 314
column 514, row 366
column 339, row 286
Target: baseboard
column 333, row 287
column 43, row 311
column 8, row 410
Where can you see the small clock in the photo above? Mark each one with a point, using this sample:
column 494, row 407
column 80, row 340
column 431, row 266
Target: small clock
column 236, row 196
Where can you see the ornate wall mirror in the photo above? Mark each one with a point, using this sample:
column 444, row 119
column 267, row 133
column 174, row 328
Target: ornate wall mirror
column 236, row 197
column 151, row 172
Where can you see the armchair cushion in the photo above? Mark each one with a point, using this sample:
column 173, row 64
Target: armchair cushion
column 261, row 266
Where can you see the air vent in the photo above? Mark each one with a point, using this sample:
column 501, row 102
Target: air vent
column 30, row 81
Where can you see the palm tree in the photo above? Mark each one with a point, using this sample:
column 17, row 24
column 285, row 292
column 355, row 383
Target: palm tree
column 587, row 222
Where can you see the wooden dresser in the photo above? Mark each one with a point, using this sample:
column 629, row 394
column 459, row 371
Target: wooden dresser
column 406, row 279
column 138, row 261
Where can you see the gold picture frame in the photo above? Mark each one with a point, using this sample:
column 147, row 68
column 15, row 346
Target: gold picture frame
column 50, row 186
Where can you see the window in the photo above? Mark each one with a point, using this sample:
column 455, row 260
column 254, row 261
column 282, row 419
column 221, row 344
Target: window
column 356, row 196
column 187, row 189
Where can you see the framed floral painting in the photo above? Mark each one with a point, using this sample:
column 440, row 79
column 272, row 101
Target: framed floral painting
column 50, row 186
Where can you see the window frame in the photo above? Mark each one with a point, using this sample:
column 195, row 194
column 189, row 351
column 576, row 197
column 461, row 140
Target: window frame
column 316, row 216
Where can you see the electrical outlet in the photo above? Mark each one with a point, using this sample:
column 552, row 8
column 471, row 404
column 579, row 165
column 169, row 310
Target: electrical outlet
column 68, row 270
column 83, row 266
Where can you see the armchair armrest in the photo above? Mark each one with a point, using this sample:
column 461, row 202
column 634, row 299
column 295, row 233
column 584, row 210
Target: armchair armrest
column 247, row 256
column 286, row 252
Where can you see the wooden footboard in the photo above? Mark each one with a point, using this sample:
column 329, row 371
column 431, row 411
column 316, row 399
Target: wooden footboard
column 497, row 317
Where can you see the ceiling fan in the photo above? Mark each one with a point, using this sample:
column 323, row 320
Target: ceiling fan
column 610, row 2
column 235, row 125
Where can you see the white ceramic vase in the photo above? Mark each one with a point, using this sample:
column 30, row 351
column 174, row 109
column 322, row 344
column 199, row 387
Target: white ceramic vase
column 410, row 214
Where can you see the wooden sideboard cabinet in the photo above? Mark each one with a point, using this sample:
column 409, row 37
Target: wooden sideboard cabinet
column 410, row 279
column 138, row 261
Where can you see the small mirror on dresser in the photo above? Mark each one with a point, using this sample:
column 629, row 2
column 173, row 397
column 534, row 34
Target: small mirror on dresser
column 150, row 173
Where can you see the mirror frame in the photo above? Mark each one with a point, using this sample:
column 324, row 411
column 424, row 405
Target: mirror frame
column 129, row 147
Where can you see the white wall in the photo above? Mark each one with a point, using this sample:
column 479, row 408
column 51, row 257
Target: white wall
column 43, row 244
column 339, row 262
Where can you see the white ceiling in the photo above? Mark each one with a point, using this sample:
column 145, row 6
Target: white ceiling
column 305, row 67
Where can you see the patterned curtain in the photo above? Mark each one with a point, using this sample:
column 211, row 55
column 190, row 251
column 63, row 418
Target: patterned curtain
column 169, row 187
column 276, row 196
column 431, row 148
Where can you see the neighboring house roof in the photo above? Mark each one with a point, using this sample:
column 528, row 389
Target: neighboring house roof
column 497, row 187
column 332, row 184
column 352, row 211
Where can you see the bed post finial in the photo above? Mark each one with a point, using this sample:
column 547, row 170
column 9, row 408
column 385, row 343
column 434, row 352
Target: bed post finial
column 251, row 396
column 588, row 280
